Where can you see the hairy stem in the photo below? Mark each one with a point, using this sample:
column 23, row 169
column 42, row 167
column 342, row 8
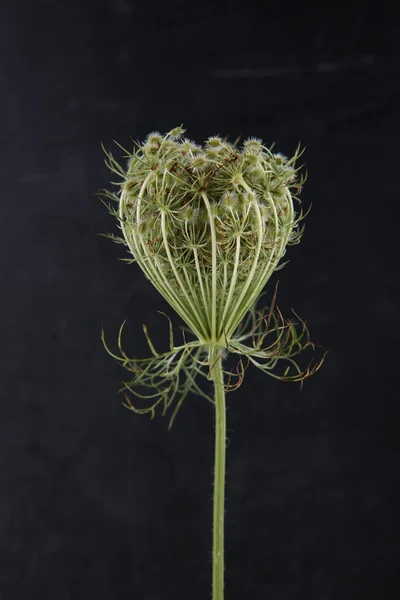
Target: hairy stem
column 219, row 474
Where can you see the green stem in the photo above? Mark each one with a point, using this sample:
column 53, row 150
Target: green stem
column 217, row 376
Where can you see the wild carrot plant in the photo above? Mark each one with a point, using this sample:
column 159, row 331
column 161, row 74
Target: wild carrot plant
column 208, row 225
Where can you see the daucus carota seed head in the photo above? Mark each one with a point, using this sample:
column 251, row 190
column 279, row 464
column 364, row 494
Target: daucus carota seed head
column 208, row 226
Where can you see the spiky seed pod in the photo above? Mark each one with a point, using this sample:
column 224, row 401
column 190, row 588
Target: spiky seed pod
column 176, row 133
column 229, row 200
column 208, row 233
column 190, row 213
column 280, row 159
column 214, row 142
column 154, row 137
column 199, row 163
column 253, row 146
column 188, row 146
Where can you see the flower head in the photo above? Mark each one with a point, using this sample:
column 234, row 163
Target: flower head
column 208, row 226
column 220, row 225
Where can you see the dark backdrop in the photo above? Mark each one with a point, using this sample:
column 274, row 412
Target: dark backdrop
column 97, row 502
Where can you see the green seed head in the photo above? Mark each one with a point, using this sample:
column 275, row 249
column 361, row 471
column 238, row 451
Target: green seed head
column 208, row 226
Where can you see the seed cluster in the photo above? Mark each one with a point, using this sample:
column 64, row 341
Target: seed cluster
column 208, row 224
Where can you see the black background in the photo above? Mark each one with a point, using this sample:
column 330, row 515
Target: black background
column 97, row 502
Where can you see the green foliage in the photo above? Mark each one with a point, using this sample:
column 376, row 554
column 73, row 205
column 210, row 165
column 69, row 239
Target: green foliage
column 165, row 379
